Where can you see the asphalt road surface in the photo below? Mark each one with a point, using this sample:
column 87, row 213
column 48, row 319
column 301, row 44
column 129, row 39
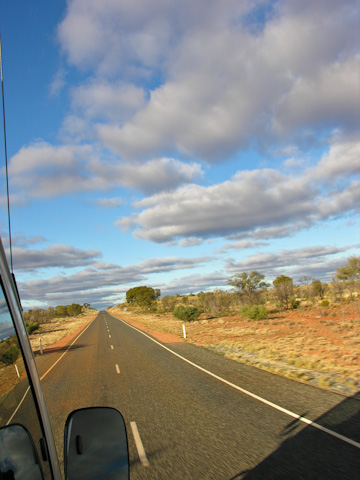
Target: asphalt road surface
column 212, row 418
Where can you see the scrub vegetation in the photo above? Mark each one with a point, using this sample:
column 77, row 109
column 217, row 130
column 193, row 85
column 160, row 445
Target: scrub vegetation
column 39, row 316
column 308, row 331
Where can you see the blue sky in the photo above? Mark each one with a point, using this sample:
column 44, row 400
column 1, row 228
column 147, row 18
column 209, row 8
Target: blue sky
column 175, row 144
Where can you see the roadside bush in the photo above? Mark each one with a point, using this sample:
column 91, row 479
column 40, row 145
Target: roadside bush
column 10, row 355
column 324, row 303
column 32, row 327
column 187, row 314
column 294, row 303
column 256, row 312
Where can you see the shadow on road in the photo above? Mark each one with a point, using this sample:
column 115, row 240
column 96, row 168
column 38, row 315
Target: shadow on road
column 313, row 454
column 60, row 349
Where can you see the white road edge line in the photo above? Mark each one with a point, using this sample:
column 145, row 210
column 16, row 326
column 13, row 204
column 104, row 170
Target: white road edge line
column 139, row 445
column 250, row 394
column 17, row 408
column 117, row 368
column 72, row 343
column 52, row 366
column 112, row 347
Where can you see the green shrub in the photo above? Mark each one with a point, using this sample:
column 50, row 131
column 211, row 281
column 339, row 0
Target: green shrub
column 10, row 355
column 294, row 303
column 187, row 314
column 324, row 303
column 32, row 327
column 256, row 312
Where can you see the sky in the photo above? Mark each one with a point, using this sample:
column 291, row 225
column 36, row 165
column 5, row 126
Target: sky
column 176, row 144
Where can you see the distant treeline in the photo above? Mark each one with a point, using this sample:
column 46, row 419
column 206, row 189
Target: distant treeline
column 38, row 315
column 251, row 293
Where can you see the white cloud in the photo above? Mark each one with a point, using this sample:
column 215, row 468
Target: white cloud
column 24, row 241
column 252, row 198
column 254, row 203
column 190, row 242
column 136, row 35
column 151, row 176
column 44, row 170
column 101, row 99
column 328, row 97
column 41, row 155
column 75, row 129
column 58, row 82
column 241, row 245
column 342, row 160
column 55, row 256
column 114, row 202
column 317, row 261
column 224, row 83
column 94, row 284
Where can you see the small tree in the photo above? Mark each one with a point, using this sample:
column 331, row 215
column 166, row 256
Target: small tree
column 250, row 286
column 337, row 288
column 168, row 303
column 74, row 310
column 306, row 282
column 10, row 355
column 284, row 289
column 217, row 302
column 142, row 296
column 61, row 311
column 350, row 273
column 318, row 289
column 31, row 327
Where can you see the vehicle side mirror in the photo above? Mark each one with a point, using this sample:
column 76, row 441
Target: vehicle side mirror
column 18, row 457
column 95, row 445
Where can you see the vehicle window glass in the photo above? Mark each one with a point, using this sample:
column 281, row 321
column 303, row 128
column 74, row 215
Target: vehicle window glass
column 17, row 405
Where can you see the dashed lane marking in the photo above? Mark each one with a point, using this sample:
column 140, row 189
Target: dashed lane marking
column 139, row 445
column 252, row 395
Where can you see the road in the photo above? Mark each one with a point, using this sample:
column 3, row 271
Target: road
column 192, row 424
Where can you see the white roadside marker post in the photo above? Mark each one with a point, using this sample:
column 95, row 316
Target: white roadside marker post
column 41, row 350
column 17, row 370
column 184, row 331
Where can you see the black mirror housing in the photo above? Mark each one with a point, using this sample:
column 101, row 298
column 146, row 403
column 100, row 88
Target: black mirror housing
column 18, row 457
column 95, row 445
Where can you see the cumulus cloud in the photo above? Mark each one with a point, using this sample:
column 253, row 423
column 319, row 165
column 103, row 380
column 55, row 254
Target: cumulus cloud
column 35, row 168
column 241, row 245
column 44, row 170
column 152, row 176
column 114, row 202
column 266, row 233
column 96, row 282
column 190, row 242
column 195, row 283
column 137, row 36
column 55, row 256
column 250, row 199
column 254, row 203
column 342, row 160
column 20, row 240
column 24, row 241
column 328, row 97
column 58, row 82
column 316, row 261
column 102, row 100
column 223, row 82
